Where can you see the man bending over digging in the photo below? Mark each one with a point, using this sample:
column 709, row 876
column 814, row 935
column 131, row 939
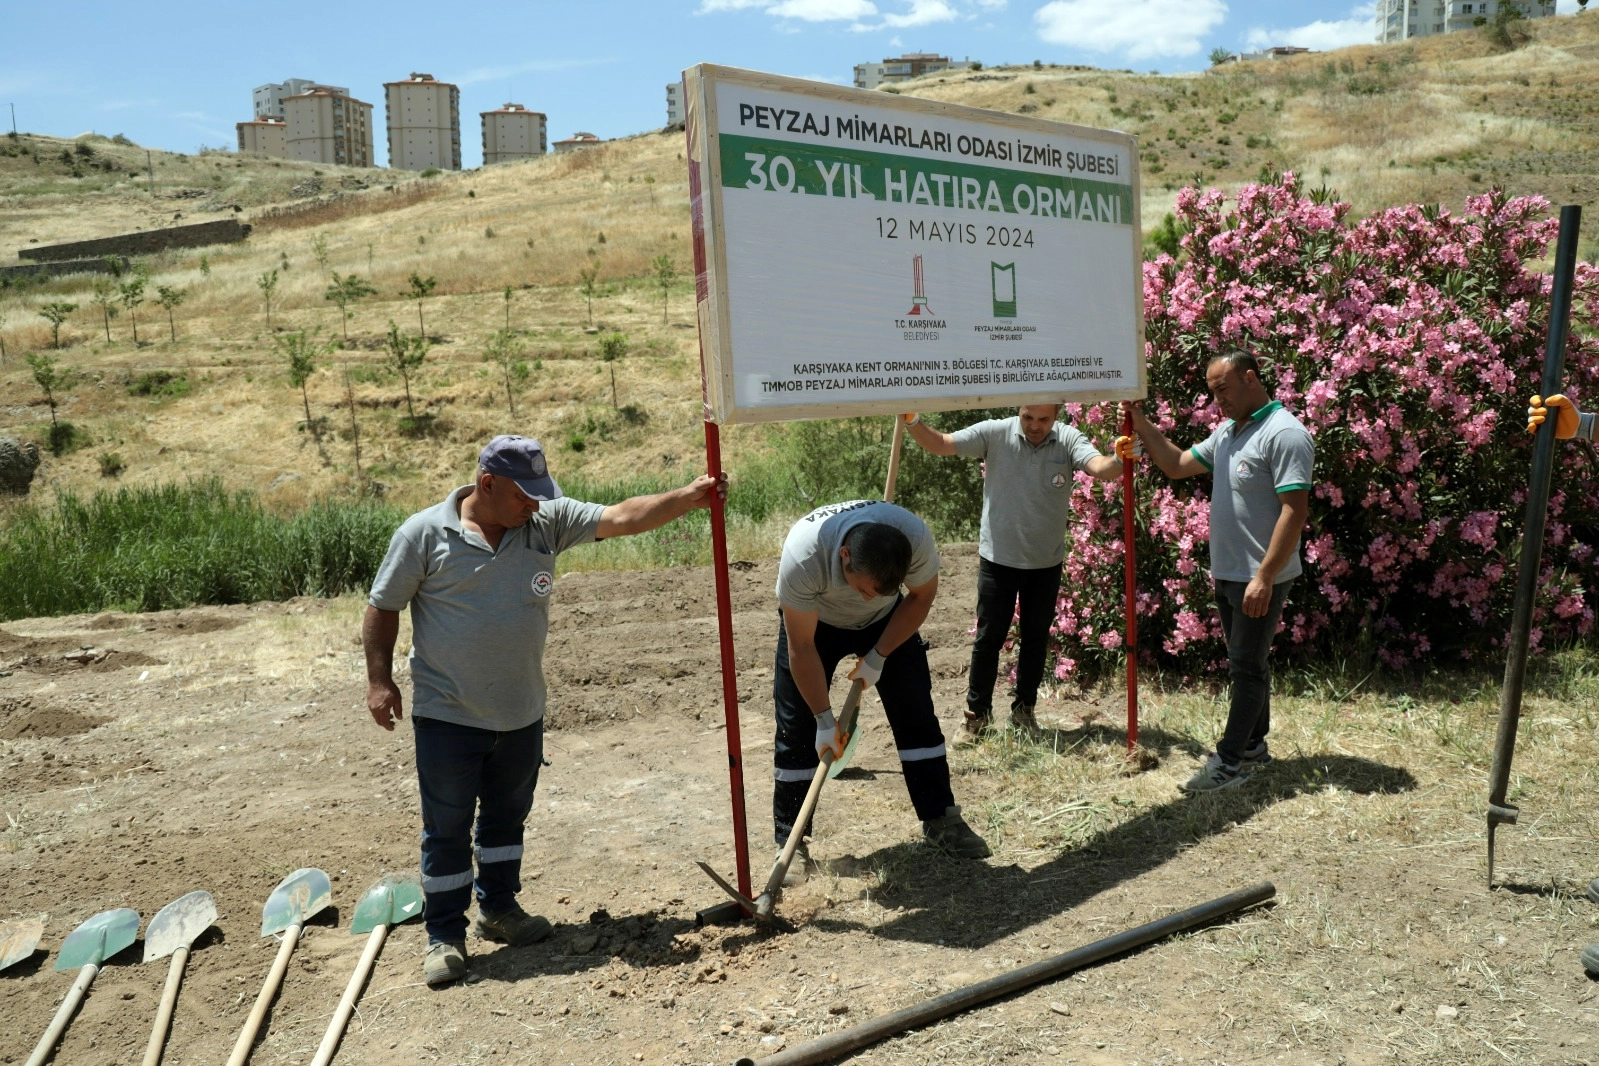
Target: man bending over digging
column 477, row 571
column 838, row 590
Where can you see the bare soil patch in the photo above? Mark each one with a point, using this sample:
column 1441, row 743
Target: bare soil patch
column 246, row 752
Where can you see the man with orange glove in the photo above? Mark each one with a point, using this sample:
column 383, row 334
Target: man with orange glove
column 838, row 590
column 1030, row 460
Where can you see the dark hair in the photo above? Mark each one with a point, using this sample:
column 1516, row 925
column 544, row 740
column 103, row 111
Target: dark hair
column 1237, row 359
column 879, row 551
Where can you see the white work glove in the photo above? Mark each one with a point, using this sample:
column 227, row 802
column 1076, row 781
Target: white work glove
column 869, row 670
column 827, row 738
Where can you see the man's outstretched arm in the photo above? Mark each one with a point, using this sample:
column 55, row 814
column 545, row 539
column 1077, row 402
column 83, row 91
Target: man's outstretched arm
column 644, row 513
column 1176, row 463
column 928, row 437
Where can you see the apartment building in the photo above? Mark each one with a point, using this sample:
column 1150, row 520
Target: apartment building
column 264, row 136
column 327, row 125
column 1400, row 20
column 512, row 132
column 424, row 119
column 910, row 65
column 674, row 103
column 580, row 139
column 268, row 99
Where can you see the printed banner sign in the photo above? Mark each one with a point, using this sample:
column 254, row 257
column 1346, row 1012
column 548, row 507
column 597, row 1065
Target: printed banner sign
column 868, row 253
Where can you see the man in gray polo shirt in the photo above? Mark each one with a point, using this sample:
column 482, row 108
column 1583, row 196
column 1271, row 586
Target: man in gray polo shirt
column 1030, row 463
column 477, row 571
column 1261, row 459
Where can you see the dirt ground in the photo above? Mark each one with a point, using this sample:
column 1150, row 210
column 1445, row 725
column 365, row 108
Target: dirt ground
column 144, row 756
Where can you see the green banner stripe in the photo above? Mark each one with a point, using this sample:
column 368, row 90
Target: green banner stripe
column 788, row 167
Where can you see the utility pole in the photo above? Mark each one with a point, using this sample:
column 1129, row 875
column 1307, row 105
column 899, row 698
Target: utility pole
column 150, row 168
column 13, row 121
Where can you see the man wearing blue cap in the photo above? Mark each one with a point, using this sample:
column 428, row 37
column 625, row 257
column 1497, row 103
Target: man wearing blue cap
column 477, row 571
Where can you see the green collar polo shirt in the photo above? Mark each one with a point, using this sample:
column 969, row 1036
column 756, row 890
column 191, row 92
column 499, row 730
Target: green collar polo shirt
column 1252, row 462
column 479, row 616
column 1027, row 490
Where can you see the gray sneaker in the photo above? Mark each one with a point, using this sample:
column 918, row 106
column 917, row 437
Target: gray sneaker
column 1024, row 722
column 445, row 962
column 514, row 927
column 1214, row 776
column 1256, row 755
column 951, row 833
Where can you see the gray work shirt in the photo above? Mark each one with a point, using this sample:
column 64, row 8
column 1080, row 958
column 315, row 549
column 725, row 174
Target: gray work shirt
column 810, row 576
column 1027, row 490
column 479, row 617
column 1252, row 462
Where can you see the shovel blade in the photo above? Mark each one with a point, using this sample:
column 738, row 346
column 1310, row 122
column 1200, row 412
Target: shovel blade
column 392, row 900
column 99, row 938
column 178, row 924
column 297, row 897
column 18, row 939
column 849, row 724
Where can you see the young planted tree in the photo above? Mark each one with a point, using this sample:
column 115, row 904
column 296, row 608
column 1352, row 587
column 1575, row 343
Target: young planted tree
column 507, row 309
column 319, row 251
column 49, row 376
column 169, row 296
column 418, row 291
column 665, row 274
column 355, row 427
column 346, row 292
column 56, row 314
column 105, row 297
column 406, row 353
column 589, row 286
column 132, row 295
column 507, row 350
column 303, row 349
column 2, row 337
column 268, row 284
column 612, row 348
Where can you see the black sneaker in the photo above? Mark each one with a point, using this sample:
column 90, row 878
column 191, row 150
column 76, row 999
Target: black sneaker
column 952, row 834
column 515, row 927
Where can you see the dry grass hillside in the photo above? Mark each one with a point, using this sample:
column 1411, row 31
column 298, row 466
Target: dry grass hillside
column 1432, row 121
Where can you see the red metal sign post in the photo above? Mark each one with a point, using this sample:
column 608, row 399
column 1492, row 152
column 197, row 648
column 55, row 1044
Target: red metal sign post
column 1131, row 641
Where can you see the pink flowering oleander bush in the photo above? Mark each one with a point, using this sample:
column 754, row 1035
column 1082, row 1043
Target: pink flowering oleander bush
column 1408, row 343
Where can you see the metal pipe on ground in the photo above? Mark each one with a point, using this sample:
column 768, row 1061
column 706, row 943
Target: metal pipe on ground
column 844, row 1041
column 1543, row 462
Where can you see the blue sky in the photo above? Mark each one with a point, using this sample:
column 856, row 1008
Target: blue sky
column 177, row 74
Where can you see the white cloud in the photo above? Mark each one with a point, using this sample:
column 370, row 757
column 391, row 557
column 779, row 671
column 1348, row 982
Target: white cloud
column 708, row 7
column 1135, row 29
column 864, row 15
column 824, row 10
column 509, row 70
column 922, row 13
column 1323, row 35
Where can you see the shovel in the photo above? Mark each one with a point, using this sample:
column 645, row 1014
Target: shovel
column 389, row 902
column 18, row 939
column 297, row 897
column 90, row 944
column 762, row 907
column 170, row 932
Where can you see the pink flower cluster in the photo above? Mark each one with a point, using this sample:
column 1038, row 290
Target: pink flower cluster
column 1408, row 343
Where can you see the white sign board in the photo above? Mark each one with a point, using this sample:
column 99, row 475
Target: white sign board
column 868, row 253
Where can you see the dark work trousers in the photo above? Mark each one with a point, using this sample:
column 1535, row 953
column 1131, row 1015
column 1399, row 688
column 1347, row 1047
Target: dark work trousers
column 465, row 771
column 906, row 690
column 1248, row 649
column 998, row 590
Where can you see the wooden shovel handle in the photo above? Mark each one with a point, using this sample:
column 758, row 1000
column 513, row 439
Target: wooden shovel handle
column 352, row 992
column 58, row 1024
column 774, row 881
column 252, row 1024
column 163, row 1014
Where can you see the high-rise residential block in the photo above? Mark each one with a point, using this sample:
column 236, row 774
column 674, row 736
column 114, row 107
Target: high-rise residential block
column 268, row 99
column 1401, row 20
column 264, row 136
column 325, row 125
column 424, row 118
column 512, row 132
column 674, row 103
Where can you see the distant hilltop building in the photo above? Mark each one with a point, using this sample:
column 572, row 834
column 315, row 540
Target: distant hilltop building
column 264, row 136
column 268, row 99
column 674, row 103
column 907, row 66
column 512, row 132
column 424, row 116
column 327, row 125
column 577, row 140
column 1281, row 51
column 1400, row 20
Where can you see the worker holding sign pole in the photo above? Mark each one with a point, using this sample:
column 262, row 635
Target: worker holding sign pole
column 1261, row 461
column 1031, row 459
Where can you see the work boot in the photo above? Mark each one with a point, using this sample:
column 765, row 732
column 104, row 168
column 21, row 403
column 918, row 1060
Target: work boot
column 979, row 725
column 445, row 962
column 515, row 927
column 799, row 870
column 1590, row 959
column 1023, row 721
column 1593, row 890
column 951, row 834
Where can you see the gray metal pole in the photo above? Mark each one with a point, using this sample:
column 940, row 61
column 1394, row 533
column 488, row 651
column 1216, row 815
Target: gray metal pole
column 831, row 1046
column 1543, row 461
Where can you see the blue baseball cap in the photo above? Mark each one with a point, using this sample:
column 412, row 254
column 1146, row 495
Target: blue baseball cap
column 522, row 460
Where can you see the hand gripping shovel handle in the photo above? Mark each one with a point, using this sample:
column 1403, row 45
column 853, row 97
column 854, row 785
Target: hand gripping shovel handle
column 163, row 1014
column 58, row 1024
column 252, row 1024
column 352, row 992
